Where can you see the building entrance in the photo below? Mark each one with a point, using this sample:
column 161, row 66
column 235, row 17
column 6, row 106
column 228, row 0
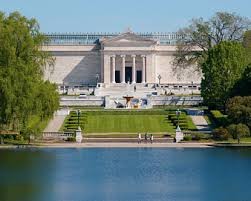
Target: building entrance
column 128, row 74
column 117, row 76
column 139, row 76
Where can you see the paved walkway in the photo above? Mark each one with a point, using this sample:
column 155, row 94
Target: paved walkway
column 55, row 123
column 201, row 123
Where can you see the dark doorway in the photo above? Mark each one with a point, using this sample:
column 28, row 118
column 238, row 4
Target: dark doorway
column 128, row 74
column 139, row 76
column 117, row 76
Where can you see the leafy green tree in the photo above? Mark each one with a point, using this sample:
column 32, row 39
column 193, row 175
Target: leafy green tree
column 224, row 66
column 247, row 44
column 220, row 134
column 239, row 110
column 22, row 64
column 238, row 130
column 200, row 36
column 242, row 87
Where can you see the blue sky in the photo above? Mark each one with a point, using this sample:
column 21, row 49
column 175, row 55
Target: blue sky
column 117, row 15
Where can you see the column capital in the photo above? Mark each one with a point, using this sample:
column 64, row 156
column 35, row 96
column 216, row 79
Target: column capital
column 143, row 56
column 133, row 55
column 113, row 56
column 122, row 56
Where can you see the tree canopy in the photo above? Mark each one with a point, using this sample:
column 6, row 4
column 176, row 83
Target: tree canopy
column 243, row 86
column 247, row 44
column 23, row 92
column 239, row 110
column 202, row 35
column 223, row 67
column 238, row 130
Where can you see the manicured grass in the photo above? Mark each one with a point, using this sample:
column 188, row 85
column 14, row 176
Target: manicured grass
column 111, row 122
column 127, row 123
column 190, row 124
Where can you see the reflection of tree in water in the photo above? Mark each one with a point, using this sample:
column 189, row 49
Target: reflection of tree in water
column 25, row 175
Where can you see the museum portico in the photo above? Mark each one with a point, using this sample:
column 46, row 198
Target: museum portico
column 127, row 68
column 128, row 58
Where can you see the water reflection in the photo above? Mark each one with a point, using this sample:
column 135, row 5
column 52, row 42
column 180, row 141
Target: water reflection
column 125, row 174
column 25, row 175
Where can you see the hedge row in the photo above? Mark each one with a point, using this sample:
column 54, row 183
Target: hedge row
column 71, row 123
column 74, row 123
column 80, row 119
column 219, row 118
column 76, row 116
column 182, row 120
column 127, row 113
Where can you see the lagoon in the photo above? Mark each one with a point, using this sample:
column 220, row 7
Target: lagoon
column 125, row 174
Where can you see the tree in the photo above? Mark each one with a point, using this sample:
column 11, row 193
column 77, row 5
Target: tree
column 22, row 65
column 238, row 130
column 242, row 87
column 247, row 44
column 223, row 67
column 239, row 110
column 220, row 134
column 200, row 36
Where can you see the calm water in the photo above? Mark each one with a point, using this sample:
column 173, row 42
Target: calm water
column 135, row 174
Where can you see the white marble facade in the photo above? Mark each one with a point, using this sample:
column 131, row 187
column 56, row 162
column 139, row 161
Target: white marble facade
column 124, row 58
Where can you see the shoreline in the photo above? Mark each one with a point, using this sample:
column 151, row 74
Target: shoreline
column 112, row 145
column 87, row 145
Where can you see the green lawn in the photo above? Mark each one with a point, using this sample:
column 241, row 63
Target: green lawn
column 127, row 124
column 115, row 122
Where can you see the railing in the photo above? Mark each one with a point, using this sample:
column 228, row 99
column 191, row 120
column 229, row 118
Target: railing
column 57, row 135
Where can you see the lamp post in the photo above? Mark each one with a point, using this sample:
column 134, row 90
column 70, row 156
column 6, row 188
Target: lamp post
column 159, row 77
column 78, row 112
column 178, row 112
column 179, row 135
column 192, row 88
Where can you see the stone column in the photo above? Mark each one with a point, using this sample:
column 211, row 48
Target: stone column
column 143, row 68
column 133, row 69
column 113, row 68
column 123, row 68
column 107, row 69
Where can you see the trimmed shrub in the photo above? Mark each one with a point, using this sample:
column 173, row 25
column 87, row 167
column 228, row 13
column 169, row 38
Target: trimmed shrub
column 220, row 134
column 196, row 137
column 19, row 137
column 188, row 138
column 71, row 139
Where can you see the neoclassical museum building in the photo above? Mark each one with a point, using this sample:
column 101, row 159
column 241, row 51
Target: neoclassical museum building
column 115, row 59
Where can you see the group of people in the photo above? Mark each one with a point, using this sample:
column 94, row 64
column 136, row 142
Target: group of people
column 146, row 137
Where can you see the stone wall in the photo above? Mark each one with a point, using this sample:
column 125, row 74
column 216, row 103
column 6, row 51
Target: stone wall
column 74, row 68
column 86, row 101
column 171, row 75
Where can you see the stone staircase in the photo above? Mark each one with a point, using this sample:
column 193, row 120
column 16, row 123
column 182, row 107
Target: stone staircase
column 120, row 90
